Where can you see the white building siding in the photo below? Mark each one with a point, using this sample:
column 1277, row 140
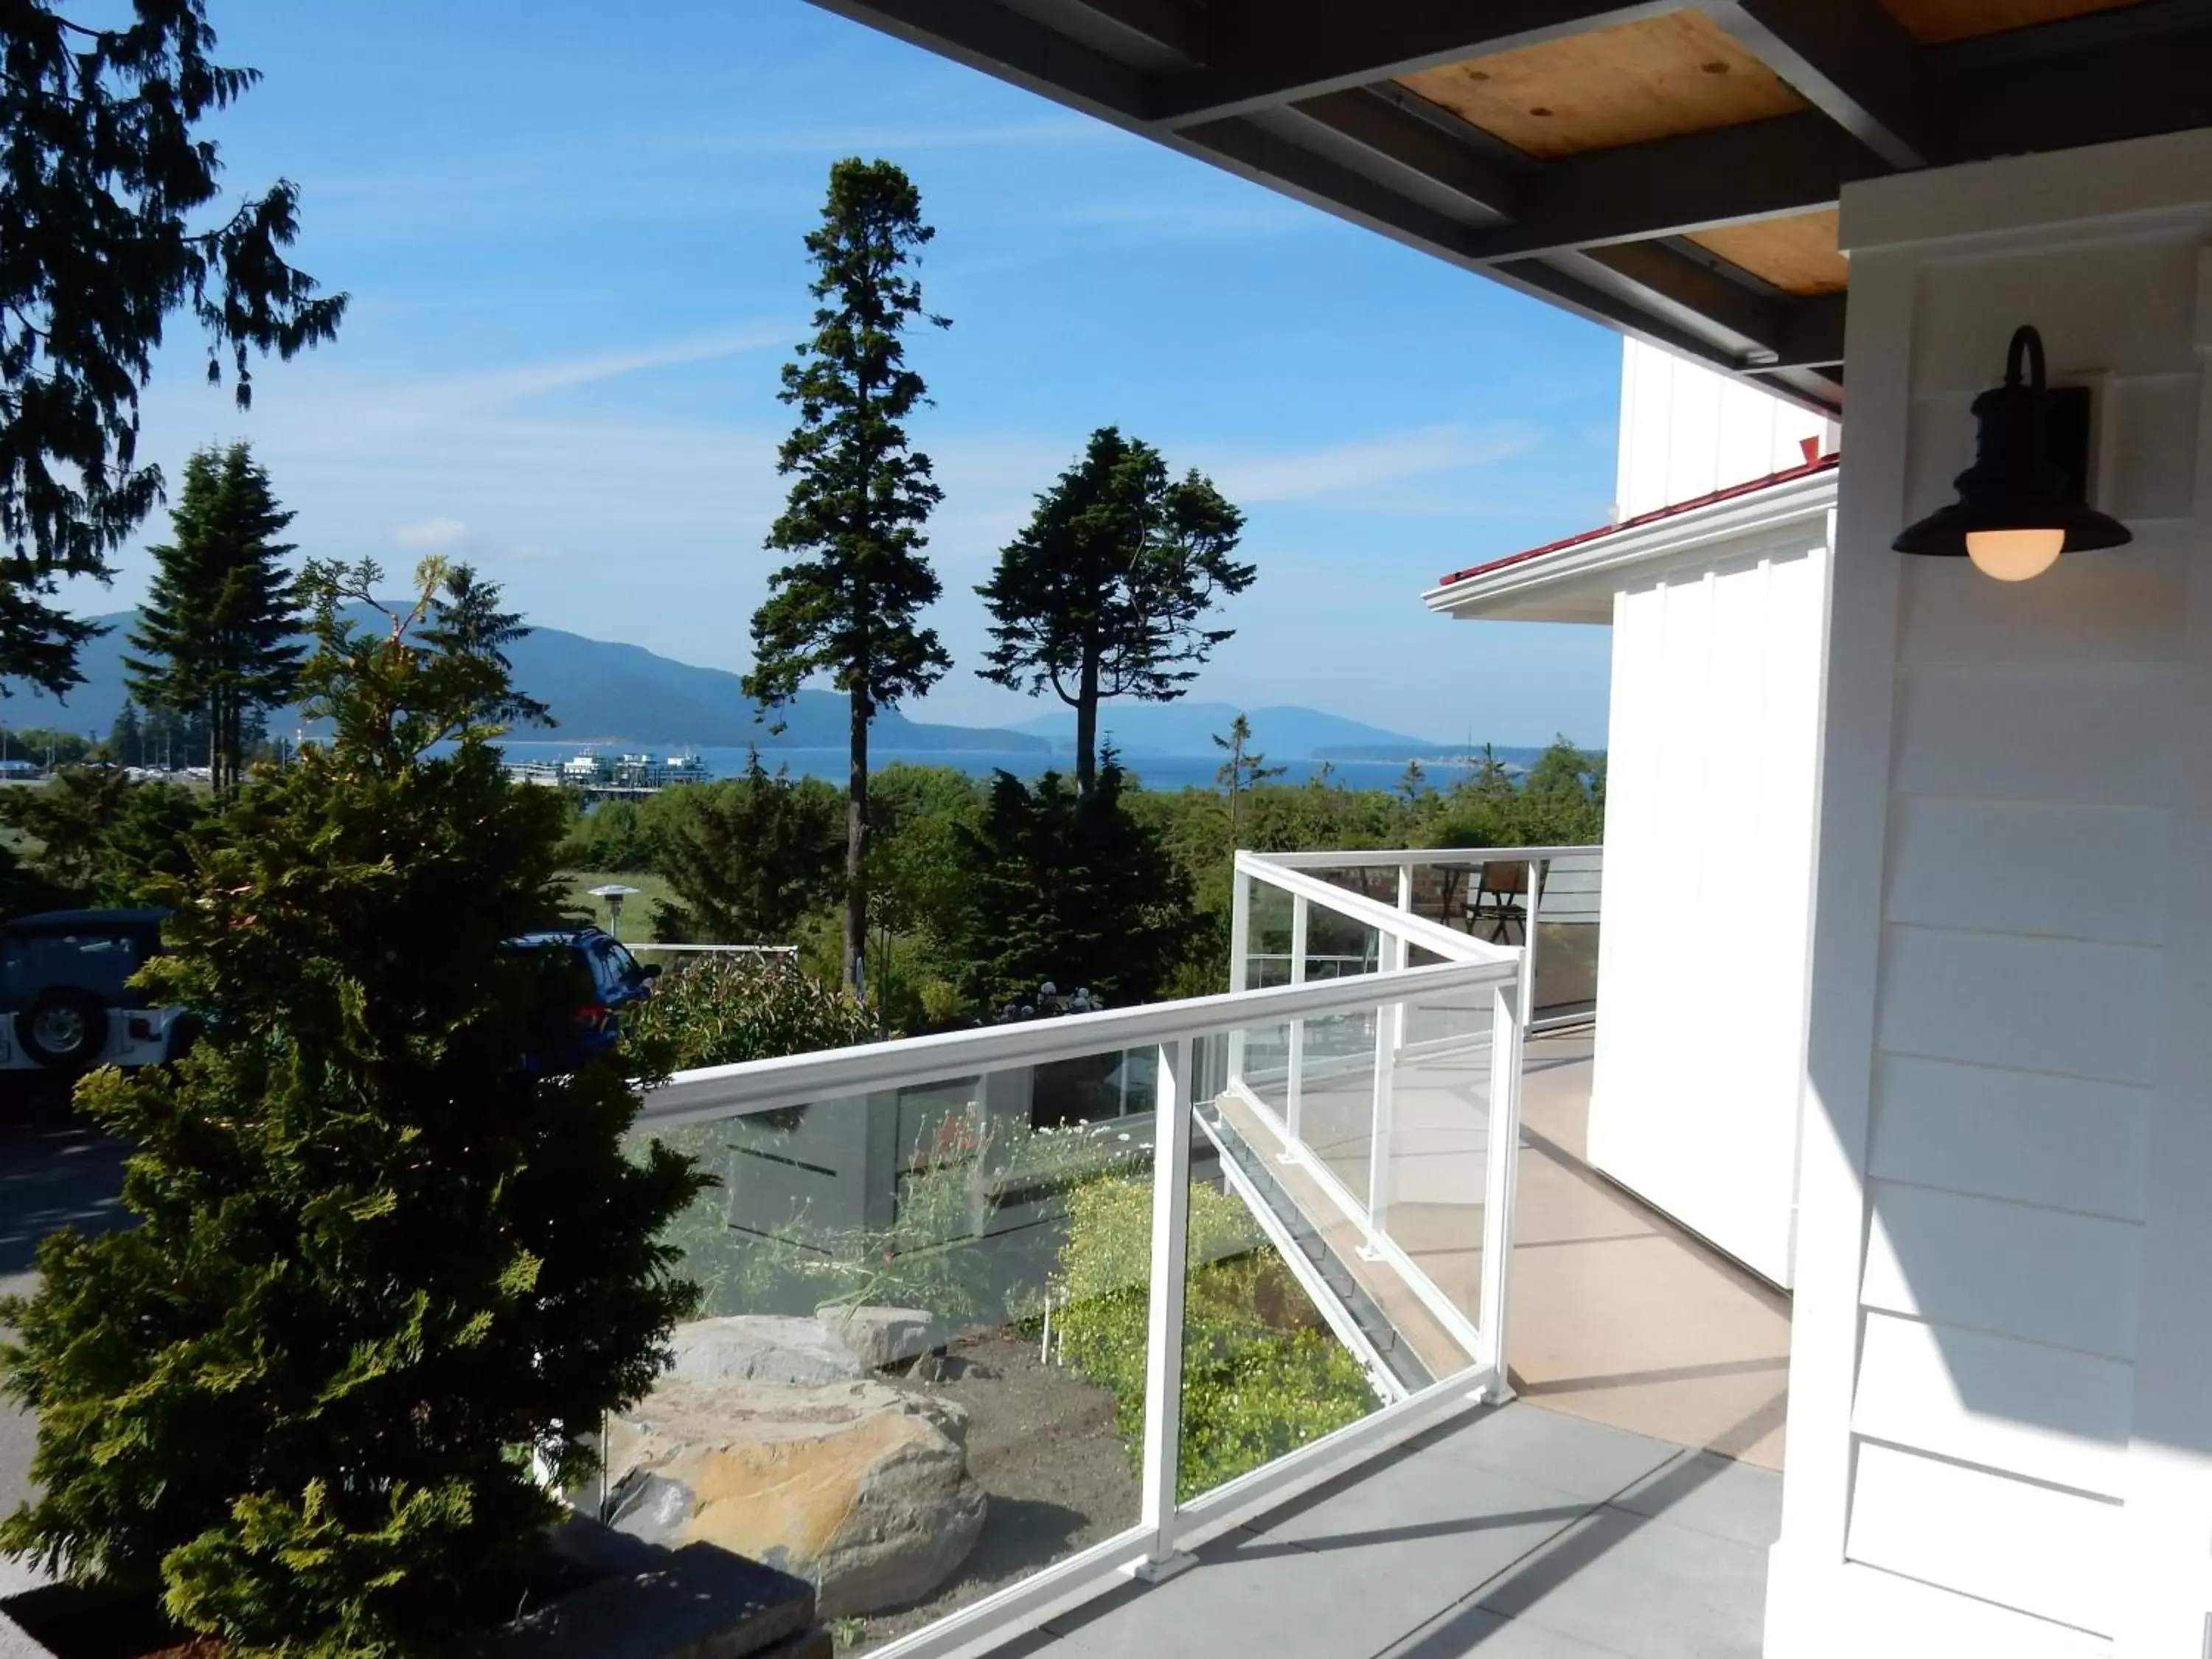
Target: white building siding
column 1708, row 833
column 1999, row 1072
column 1686, row 430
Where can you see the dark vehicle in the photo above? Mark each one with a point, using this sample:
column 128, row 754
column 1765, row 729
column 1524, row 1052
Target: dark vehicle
column 65, row 1005
column 594, row 979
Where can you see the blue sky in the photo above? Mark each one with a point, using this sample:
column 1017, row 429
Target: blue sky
column 572, row 235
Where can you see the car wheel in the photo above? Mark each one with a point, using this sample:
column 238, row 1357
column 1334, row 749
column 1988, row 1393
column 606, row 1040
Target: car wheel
column 63, row 1028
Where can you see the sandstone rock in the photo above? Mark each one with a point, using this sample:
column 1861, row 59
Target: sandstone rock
column 882, row 1336
column 764, row 1348
column 861, row 1490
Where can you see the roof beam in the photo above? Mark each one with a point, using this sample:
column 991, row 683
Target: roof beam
column 1378, row 129
column 2129, row 76
column 987, row 36
column 1780, row 331
column 1159, row 23
column 1851, row 60
column 1266, row 52
column 1786, row 164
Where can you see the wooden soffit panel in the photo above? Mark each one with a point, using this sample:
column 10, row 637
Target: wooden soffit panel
column 1675, row 73
column 1933, row 21
column 1798, row 254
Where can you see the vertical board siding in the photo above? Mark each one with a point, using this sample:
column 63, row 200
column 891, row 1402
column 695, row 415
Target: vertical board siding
column 2043, row 1552
column 2060, row 1142
column 2021, row 1408
column 1708, row 816
column 2015, row 1270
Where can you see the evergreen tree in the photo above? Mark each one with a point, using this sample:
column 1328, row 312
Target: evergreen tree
column 381, row 1265
column 107, row 162
column 466, row 616
column 1244, row 771
column 219, row 630
column 749, row 857
column 850, row 604
column 1104, row 593
column 1071, row 889
column 1413, row 781
column 126, row 739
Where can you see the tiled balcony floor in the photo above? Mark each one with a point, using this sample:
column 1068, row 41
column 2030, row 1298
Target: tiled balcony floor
column 1514, row 1533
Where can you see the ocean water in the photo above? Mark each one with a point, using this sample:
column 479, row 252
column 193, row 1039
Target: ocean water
column 1154, row 771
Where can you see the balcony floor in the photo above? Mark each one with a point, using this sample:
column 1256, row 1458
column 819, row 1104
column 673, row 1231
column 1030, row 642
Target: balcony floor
column 1521, row 1532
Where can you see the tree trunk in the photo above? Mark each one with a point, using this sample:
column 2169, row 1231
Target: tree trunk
column 1086, row 730
column 856, row 851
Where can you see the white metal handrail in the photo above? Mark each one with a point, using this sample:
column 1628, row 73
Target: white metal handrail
column 762, row 1085
column 1389, row 859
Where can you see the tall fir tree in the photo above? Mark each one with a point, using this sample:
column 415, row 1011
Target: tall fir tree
column 850, row 604
column 219, row 632
column 383, row 1266
column 1244, row 771
column 107, row 165
column 466, row 616
column 1105, row 593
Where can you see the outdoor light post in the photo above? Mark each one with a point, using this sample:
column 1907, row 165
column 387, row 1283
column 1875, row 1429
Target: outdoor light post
column 613, row 893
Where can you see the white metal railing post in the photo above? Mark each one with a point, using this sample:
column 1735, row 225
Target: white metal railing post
column 1389, row 1038
column 1537, row 869
column 1509, row 1006
column 1164, row 1321
column 1240, row 956
column 1294, row 1086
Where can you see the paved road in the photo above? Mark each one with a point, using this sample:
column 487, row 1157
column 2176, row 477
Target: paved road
column 54, row 1169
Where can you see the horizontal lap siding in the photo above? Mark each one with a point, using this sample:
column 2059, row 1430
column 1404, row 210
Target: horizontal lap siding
column 2033, row 746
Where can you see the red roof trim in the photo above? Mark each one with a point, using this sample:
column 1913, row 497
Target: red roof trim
column 1821, row 464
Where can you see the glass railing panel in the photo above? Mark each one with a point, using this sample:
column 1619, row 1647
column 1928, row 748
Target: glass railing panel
column 1431, row 1189
column 1567, row 924
column 1276, row 1352
column 879, row 1390
column 1337, row 946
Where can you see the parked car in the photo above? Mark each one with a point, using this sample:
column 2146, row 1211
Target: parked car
column 602, row 979
column 65, row 1006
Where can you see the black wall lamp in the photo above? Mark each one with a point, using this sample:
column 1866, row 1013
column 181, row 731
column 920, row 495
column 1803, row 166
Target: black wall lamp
column 2026, row 499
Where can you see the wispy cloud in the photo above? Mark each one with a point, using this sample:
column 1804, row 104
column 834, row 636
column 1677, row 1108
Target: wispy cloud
column 1367, row 464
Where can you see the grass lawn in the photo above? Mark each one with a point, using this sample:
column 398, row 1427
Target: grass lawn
column 637, row 909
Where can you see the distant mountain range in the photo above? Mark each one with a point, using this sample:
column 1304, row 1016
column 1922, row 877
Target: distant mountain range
column 1285, row 731
column 596, row 689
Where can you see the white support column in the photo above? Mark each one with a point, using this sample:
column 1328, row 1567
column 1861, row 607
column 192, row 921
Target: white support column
column 1163, row 1335
column 1240, row 956
column 1502, row 1178
column 1537, row 868
column 1294, row 1087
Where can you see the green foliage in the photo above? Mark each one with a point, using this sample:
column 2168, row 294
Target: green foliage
column 850, row 604
column 304, row 1397
column 45, row 745
column 1260, row 1376
column 1560, row 803
column 1244, row 770
column 1105, row 592
column 219, row 628
column 720, row 1009
column 106, row 162
column 464, row 619
column 98, row 838
column 748, row 857
column 1067, row 889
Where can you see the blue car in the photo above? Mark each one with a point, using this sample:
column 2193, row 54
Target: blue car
column 601, row 977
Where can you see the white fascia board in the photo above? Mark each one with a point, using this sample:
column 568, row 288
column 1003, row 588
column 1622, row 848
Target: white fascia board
column 1605, row 563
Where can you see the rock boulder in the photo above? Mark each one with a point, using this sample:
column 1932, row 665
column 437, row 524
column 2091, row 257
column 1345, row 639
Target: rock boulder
column 880, row 1337
column 764, row 1348
column 860, row 1489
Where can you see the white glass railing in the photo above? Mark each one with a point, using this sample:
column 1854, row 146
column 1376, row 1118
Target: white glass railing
column 1108, row 1234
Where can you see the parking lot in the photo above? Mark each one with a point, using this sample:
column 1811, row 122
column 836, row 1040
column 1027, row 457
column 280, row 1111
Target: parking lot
column 54, row 1169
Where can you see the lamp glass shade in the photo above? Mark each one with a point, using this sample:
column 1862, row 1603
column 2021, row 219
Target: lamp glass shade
column 2015, row 555
column 2031, row 458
